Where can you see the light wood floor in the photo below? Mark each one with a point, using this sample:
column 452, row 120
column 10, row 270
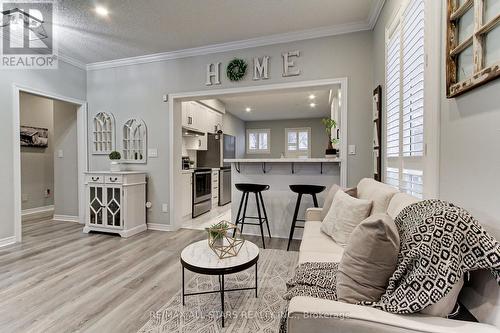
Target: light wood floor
column 61, row 280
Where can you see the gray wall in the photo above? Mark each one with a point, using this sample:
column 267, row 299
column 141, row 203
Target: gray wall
column 236, row 127
column 137, row 91
column 37, row 164
column 469, row 159
column 278, row 139
column 68, row 81
column 66, row 167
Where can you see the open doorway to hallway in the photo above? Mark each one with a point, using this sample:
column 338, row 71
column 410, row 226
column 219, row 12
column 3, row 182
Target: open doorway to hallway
column 49, row 158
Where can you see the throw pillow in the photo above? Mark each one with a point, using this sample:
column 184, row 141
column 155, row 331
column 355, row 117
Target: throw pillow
column 369, row 260
column 344, row 215
column 329, row 198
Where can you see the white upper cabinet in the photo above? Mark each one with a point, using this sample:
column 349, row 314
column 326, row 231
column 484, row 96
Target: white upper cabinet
column 213, row 121
column 200, row 118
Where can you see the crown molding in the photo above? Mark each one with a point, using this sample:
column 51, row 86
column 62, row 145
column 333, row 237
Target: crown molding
column 375, row 11
column 71, row 61
column 237, row 45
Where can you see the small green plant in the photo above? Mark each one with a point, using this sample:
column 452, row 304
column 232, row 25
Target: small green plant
column 114, row 155
column 330, row 124
column 218, row 230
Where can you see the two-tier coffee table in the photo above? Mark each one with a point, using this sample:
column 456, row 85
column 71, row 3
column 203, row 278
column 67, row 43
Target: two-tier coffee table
column 199, row 258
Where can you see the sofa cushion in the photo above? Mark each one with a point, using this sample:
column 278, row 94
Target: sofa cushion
column 344, row 215
column 446, row 304
column 313, row 240
column 398, row 202
column 369, row 260
column 380, row 193
column 329, row 198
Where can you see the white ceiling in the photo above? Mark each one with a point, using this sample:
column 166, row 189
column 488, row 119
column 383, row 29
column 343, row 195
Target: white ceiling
column 289, row 104
column 137, row 28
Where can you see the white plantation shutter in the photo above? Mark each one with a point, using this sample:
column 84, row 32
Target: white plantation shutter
column 404, row 130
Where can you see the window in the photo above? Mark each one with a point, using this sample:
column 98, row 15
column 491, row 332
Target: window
column 298, row 142
column 104, row 133
column 404, row 118
column 258, row 141
column 134, row 141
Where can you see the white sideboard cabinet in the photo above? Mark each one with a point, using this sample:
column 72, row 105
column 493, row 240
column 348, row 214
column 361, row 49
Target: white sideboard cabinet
column 116, row 202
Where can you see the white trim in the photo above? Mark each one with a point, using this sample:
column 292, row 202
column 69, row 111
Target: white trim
column 258, row 131
column 82, row 150
column 66, row 218
column 33, row 213
column 71, row 61
column 7, row 241
column 375, row 11
column 161, row 227
column 244, row 44
column 173, row 114
column 298, row 152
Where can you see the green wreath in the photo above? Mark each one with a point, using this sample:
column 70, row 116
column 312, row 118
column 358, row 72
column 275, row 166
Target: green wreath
column 236, row 69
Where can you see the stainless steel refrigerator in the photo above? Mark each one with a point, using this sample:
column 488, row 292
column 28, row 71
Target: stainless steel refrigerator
column 219, row 147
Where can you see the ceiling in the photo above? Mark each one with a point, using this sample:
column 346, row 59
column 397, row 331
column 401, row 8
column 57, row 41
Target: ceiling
column 289, row 104
column 136, row 28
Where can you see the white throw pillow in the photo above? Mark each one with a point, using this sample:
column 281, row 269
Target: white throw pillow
column 344, row 215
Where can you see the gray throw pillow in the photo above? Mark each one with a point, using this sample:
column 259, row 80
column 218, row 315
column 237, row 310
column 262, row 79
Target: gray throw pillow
column 369, row 260
column 329, row 198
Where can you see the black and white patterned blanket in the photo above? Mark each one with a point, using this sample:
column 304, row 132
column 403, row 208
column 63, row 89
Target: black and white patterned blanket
column 439, row 243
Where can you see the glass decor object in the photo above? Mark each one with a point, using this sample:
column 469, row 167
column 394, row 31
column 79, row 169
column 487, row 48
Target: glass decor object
column 225, row 239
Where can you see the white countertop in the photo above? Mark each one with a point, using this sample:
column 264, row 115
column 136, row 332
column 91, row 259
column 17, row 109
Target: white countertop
column 192, row 170
column 283, row 160
column 115, row 172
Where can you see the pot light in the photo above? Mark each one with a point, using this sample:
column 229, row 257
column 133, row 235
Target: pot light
column 248, row 109
column 101, row 11
column 312, row 96
column 313, row 105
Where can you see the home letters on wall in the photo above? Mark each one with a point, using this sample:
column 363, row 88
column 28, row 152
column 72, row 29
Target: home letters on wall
column 260, row 68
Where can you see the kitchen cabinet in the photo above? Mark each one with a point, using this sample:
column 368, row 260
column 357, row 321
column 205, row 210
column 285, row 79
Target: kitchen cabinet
column 195, row 142
column 194, row 116
column 215, row 188
column 116, row 202
column 213, row 120
column 187, row 193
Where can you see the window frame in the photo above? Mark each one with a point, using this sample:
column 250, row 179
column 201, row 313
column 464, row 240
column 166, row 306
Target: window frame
column 297, row 153
column 258, row 131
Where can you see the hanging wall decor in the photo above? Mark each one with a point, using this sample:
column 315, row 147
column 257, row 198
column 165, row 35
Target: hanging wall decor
column 236, row 69
column 103, row 138
column 472, row 48
column 134, row 141
column 377, row 133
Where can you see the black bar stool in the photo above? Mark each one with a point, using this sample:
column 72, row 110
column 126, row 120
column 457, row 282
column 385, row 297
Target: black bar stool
column 303, row 189
column 257, row 190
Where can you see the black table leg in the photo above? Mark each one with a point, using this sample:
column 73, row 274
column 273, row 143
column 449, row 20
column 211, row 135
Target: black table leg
column 183, row 297
column 222, row 299
column 256, row 280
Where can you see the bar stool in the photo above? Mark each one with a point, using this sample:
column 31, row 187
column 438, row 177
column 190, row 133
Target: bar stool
column 257, row 190
column 303, row 189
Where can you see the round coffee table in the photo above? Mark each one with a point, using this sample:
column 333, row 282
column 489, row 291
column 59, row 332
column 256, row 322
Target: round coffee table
column 199, row 258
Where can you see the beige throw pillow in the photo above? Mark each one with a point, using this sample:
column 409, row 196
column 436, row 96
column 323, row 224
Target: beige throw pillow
column 344, row 215
column 329, row 198
column 369, row 260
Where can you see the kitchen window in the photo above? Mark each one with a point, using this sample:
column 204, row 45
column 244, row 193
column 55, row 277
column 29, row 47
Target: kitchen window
column 298, row 142
column 258, row 141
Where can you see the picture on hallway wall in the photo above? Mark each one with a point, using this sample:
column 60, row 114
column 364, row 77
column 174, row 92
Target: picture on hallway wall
column 34, row 137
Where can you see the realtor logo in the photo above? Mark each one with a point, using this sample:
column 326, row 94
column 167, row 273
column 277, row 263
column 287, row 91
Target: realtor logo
column 27, row 35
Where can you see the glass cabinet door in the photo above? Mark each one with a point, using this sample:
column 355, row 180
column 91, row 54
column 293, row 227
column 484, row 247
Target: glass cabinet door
column 113, row 207
column 96, row 205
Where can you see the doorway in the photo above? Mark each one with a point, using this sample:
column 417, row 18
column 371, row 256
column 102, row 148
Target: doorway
column 50, row 156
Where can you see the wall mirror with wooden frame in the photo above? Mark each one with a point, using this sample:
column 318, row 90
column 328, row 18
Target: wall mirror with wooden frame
column 472, row 44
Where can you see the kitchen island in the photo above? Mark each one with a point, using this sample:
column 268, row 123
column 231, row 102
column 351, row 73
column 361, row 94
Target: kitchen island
column 279, row 173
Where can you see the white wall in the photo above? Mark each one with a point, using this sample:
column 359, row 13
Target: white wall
column 469, row 159
column 66, row 167
column 236, row 127
column 137, row 91
column 37, row 164
column 67, row 81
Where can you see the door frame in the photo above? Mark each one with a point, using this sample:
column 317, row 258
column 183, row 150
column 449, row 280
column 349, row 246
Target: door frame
column 82, row 147
column 175, row 133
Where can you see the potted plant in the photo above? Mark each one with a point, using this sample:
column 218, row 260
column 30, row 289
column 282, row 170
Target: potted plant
column 330, row 125
column 115, row 157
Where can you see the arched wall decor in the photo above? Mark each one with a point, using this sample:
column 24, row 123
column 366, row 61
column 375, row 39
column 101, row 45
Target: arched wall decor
column 103, row 139
column 134, row 141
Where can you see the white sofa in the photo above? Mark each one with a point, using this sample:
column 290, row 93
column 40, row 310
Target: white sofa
column 314, row 315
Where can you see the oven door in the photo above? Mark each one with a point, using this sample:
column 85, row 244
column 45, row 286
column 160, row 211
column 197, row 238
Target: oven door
column 202, row 186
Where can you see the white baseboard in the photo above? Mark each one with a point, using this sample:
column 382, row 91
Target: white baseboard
column 7, row 241
column 66, row 218
column 161, row 227
column 38, row 212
